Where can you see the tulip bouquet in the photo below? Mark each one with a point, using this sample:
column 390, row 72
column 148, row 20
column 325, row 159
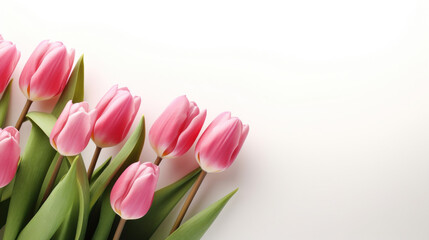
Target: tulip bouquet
column 46, row 192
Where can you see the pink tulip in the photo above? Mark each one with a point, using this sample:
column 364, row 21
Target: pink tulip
column 133, row 192
column 174, row 132
column 9, row 157
column 46, row 72
column 9, row 57
column 116, row 113
column 72, row 131
column 220, row 143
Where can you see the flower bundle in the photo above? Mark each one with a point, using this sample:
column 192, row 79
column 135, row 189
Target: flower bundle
column 46, row 192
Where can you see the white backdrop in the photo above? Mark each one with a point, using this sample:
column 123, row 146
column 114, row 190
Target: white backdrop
column 335, row 92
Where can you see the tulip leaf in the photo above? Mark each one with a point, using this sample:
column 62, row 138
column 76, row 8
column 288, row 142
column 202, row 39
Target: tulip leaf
column 74, row 89
column 63, row 170
column 164, row 201
column 74, row 226
column 6, row 191
column 107, row 217
column 44, row 121
column 4, row 104
column 34, row 165
column 194, row 228
column 3, row 212
column 100, row 169
column 56, row 208
column 129, row 153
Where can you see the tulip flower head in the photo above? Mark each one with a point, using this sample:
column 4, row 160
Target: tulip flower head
column 220, row 143
column 72, row 131
column 9, row 57
column 46, row 72
column 9, row 157
column 174, row 132
column 116, row 113
column 132, row 194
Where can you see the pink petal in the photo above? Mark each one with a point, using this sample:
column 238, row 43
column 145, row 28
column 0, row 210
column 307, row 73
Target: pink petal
column 188, row 136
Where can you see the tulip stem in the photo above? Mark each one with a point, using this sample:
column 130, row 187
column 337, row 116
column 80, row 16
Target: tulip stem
column 119, row 229
column 53, row 177
column 23, row 114
column 93, row 162
column 157, row 161
column 188, row 201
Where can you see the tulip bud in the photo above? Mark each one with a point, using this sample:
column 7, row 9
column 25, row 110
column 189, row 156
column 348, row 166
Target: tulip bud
column 46, row 72
column 116, row 113
column 72, row 131
column 132, row 194
column 220, row 143
column 9, row 57
column 174, row 132
column 9, row 157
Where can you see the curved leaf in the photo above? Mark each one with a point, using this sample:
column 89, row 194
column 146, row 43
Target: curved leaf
column 74, row 89
column 100, row 169
column 54, row 211
column 35, row 162
column 107, row 217
column 4, row 104
column 164, row 201
column 194, row 228
column 129, row 153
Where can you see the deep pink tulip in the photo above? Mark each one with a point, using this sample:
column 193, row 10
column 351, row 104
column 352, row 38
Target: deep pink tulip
column 116, row 113
column 174, row 132
column 9, row 57
column 9, row 157
column 220, row 143
column 46, row 72
column 72, row 131
column 132, row 194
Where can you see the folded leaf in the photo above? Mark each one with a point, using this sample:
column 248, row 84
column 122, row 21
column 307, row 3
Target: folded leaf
column 63, row 170
column 107, row 217
column 129, row 153
column 4, row 104
column 54, row 211
column 35, row 162
column 164, row 201
column 74, row 89
column 3, row 212
column 74, row 226
column 194, row 228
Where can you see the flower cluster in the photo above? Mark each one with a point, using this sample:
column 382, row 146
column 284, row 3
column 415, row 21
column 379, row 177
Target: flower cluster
column 45, row 76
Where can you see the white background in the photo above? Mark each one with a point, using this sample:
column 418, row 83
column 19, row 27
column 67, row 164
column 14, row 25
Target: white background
column 336, row 94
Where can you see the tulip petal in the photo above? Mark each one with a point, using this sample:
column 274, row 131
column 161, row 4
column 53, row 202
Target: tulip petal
column 166, row 128
column 62, row 119
column 188, row 136
column 243, row 136
column 121, row 186
column 9, row 158
column 105, row 100
column 75, row 135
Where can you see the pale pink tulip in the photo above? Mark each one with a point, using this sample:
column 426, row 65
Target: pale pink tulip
column 174, row 132
column 46, row 72
column 72, row 131
column 220, row 143
column 132, row 194
column 116, row 113
column 9, row 157
column 9, row 57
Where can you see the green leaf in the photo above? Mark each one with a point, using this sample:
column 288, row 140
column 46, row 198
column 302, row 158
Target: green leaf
column 107, row 217
column 63, row 170
column 100, row 169
column 4, row 104
column 54, row 211
column 74, row 226
column 194, row 228
column 6, row 192
column 3, row 212
column 35, row 162
column 74, row 89
column 164, row 201
column 129, row 153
